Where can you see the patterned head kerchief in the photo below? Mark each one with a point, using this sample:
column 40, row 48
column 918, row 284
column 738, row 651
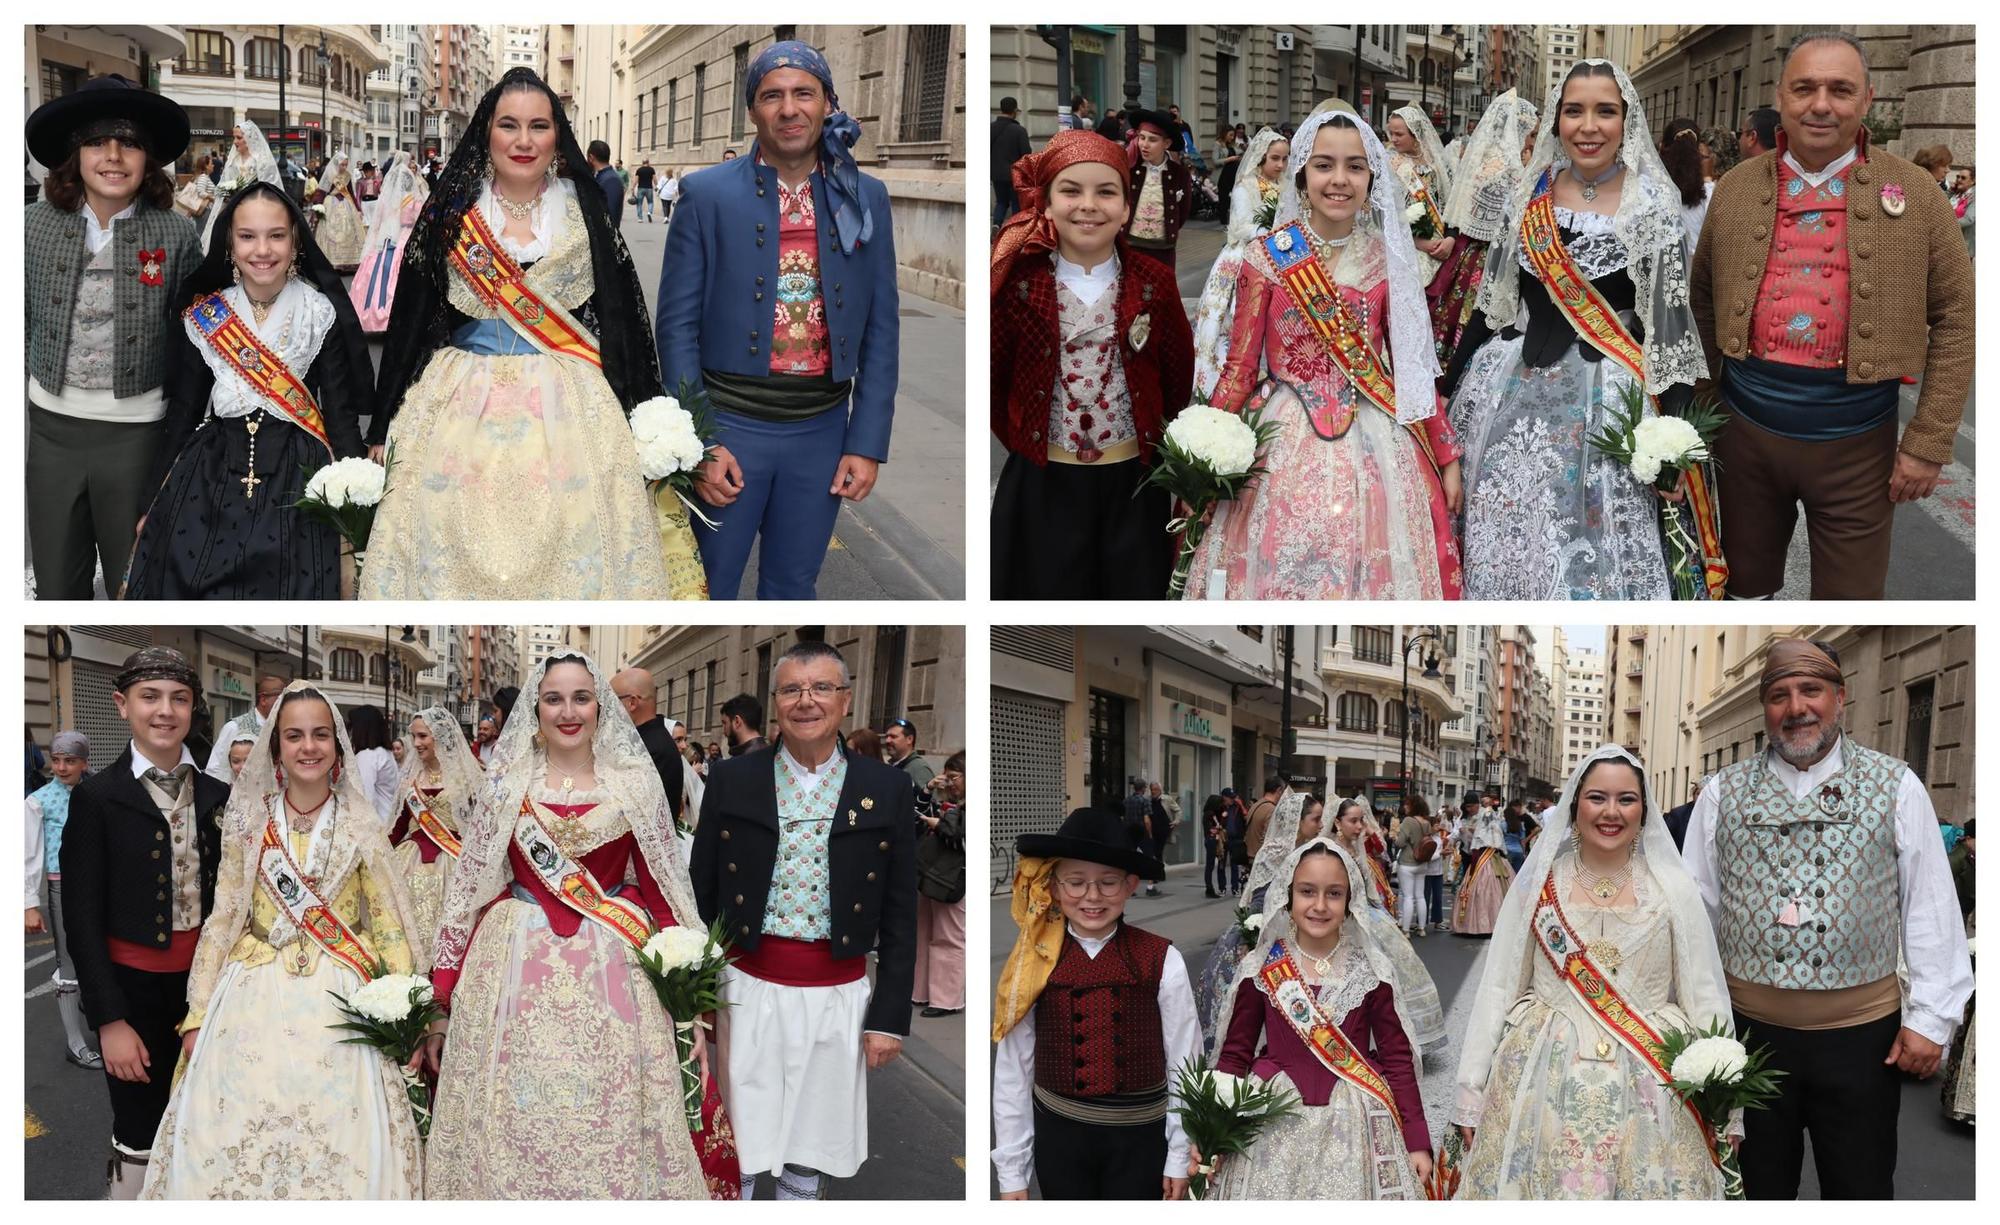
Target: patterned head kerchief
column 155, row 664
column 851, row 218
column 1798, row 657
column 70, row 744
column 1029, row 231
column 126, row 131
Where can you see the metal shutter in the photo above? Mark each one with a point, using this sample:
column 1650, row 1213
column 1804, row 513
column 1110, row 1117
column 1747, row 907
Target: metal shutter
column 96, row 716
column 1027, row 779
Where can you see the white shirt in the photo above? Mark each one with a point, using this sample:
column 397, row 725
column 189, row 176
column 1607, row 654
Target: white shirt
column 140, row 765
column 380, row 780
column 95, row 235
column 37, row 862
column 1088, row 284
column 1815, row 178
column 1933, row 933
column 1014, row 1075
column 807, row 777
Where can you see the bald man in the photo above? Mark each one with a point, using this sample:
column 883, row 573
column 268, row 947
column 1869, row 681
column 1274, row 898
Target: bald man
column 635, row 690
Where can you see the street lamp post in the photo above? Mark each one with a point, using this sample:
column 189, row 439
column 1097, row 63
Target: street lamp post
column 1430, row 673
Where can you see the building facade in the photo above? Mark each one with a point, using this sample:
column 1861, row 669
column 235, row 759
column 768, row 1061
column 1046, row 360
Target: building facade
column 377, row 666
column 1561, row 48
column 1368, row 739
column 226, row 73
column 1582, row 707
column 399, row 92
column 59, row 59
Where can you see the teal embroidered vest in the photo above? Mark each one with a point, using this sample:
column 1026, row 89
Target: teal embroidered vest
column 800, row 906
column 1834, row 850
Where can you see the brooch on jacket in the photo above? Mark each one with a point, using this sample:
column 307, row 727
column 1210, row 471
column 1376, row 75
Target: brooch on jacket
column 153, row 266
column 1893, row 200
column 1142, row 327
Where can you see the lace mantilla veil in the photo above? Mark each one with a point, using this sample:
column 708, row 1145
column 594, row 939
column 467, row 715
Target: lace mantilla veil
column 357, row 838
column 625, row 772
column 400, row 180
column 463, row 777
column 1381, row 247
column 1217, row 309
column 1648, row 226
column 1489, row 168
column 1279, row 837
column 1697, row 965
column 1430, row 150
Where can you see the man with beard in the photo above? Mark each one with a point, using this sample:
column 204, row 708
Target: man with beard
column 1820, row 864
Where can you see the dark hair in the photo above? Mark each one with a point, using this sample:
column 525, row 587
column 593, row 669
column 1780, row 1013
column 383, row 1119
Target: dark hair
column 1077, row 101
column 909, row 728
column 599, row 151
column 1609, row 761
column 286, row 699
column 1417, row 806
column 1764, row 120
column 1274, row 782
column 367, row 728
column 1830, row 652
column 504, row 699
column 806, row 652
column 1311, row 849
column 1341, row 811
column 1338, row 121
column 1585, row 68
column 1680, row 149
column 64, row 184
column 862, row 740
column 956, row 761
column 745, row 707
column 1008, row 105
column 1828, row 36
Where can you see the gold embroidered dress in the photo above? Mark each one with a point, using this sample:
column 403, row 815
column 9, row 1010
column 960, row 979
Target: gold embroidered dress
column 514, row 474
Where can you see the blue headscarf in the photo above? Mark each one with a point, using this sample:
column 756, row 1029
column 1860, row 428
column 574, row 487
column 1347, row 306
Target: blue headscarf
column 851, row 219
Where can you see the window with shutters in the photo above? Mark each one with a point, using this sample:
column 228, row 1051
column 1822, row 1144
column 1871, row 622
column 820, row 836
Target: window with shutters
column 700, row 84
column 738, row 113
column 1917, row 735
column 1355, row 712
column 926, row 73
column 265, row 59
column 673, row 109
column 345, row 665
column 208, row 54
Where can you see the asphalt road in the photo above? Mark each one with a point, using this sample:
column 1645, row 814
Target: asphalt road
column 1935, row 1157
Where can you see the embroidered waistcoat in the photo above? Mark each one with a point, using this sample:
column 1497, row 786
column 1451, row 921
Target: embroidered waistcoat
column 93, row 332
column 183, row 848
column 1833, row 849
column 1149, row 217
column 1091, row 409
column 800, row 905
column 1801, row 312
column 798, row 331
column 1097, row 1022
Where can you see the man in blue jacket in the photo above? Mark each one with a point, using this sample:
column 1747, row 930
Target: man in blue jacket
column 778, row 297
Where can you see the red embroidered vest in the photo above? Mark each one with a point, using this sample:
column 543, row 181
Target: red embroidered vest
column 1801, row 312
column 1097, row 1023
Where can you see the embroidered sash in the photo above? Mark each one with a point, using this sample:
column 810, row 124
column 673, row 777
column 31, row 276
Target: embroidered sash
column 291, row 892
column 243, row 352
column 1596, row 322
column 1421, row 193
column 573, row 883
column 501, row 285
column 1570, row 956
column 1305, row 281
column 428, row 821
column 1287, row 988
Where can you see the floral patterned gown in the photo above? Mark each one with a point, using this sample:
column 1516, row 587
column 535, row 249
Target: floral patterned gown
column 1350, row 507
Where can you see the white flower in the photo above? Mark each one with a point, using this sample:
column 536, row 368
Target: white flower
column 665, row 435
column 349, row 482
column 1220, row 439
column 1673, row 439
column 678, row 946
column 1414, row 213
column 1255, row 922
column 1645, row 466
column 387, row 999
column 1711, row 1061
column 1227, row 1088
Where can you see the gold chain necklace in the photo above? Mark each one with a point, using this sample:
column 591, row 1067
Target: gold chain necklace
column 1603, row 886
column 261, row 310
column 519, row 212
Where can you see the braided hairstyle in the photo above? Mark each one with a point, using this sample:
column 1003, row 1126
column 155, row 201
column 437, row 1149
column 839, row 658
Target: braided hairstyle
column 618, row 292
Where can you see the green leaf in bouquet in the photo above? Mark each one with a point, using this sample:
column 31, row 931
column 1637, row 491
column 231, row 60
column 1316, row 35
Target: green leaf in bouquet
column 1616, row 439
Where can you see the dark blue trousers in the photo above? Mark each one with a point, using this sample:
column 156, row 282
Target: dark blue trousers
column 787, row 470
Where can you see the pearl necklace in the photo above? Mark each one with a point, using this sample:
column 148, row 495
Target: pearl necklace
column 519, row 212
column 1603, row 886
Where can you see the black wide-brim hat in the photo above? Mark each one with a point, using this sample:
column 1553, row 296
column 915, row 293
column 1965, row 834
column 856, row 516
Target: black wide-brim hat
column 1159, row 119
column 161, row 119
column 1094, row 836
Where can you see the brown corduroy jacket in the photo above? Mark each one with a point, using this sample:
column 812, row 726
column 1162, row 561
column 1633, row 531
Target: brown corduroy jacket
column 1910, row 285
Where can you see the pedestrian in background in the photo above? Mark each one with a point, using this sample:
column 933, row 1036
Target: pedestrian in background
column 1415, row 843
column 608, row 180
column 1009, row 145
column 939, row 986
column 47, row 813
column 380, row 778
column 643, row 193
column 1215, row 848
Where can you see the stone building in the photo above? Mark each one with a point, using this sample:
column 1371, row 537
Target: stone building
column 229, row 72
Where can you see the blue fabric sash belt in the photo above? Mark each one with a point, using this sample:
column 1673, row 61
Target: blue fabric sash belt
column 491, row 338
column 1806, row 402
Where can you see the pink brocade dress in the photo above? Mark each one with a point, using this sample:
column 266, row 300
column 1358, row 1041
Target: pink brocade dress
column 1349, row 507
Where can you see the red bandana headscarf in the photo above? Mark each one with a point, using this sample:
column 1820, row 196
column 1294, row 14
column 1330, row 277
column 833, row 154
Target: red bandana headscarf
column 1030, row 231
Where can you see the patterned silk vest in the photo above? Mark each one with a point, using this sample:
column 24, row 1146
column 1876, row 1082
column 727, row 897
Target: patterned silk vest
column 1801, row 313
column 1097, row 1023
column 1833, row 850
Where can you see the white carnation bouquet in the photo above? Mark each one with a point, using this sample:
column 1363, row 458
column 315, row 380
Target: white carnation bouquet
column 685, row 966
column 1662, row 450
column 672, row 434
column 1418, row 214
column 1207, row 456
column 1223, row 1116
column 393, row 1013
column 1717, row 1075
column 1249, row 925
column 344, row 494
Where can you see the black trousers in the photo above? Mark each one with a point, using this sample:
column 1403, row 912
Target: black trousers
column 1078, row 532
column 1838, row 1091
column 158, row 1003
column 1215, row 868
column 1094, row 1161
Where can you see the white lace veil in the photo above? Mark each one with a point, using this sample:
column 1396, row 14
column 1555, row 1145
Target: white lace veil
column 625, row 772
column 1489, row 168
column 1648, row 225
column 1279, row 837
column 399, row 183
column 358, row 839
column 259, row 165
column 460, row 772
column 1699, row 986
column 1430, row 150
column 1245, row 200
column 1354, row 936
column 338, row 173
column 1381, row 243
column 1216, row 312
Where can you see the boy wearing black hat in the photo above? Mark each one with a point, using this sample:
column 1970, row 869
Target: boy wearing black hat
column 1162, row 188
column 104, row 252
column 1093, row 1017
column 139, row 859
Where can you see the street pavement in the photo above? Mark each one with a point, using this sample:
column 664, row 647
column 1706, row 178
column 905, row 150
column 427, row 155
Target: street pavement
column 1934, row 1155
column 916, row 1109
column 1931, row 552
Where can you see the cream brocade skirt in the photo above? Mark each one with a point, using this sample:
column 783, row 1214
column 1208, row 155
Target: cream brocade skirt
column 558, row 1079
column 515, row 478
column 427, row 883
column 1346, row 1149
column 273, row 1106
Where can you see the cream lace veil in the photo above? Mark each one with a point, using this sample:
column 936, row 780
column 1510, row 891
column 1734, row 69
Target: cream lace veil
column 461, row 772
column 1430, row 150
column 1216, row 312
column 1489, row 168
column 400, row 181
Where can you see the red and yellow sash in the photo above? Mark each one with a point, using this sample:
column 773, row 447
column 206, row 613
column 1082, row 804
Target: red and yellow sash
column 1422, row 194
column 1286, row 987
column 292, row 892
column 241, row 350
column 573, row 883
column 1596, row 322
column 1570, row 956
column 1346, row 340
column 427, row 820
column 500, row 284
